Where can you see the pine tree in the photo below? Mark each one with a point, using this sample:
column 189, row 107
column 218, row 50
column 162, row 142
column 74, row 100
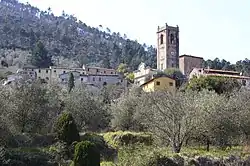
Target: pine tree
column 40, row 57
column 71, row 82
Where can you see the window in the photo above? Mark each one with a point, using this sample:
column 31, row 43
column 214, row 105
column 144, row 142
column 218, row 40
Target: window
column 158, row 83
column 161, row 66
column 104, row 71
column 97, row 70
column 171, row 84
column 32, row 69
column 62, row 80
column 64, row 72
column 81, row 79
column 47, row 78
column 82, row 72
column 172, row 39
column 54, row 71
column 47, row 71
column 39, row 71
column 93, row 78
column 161, row 39
column 39, row 77
column 111, row 72
column 100, row 79
column 88, row 69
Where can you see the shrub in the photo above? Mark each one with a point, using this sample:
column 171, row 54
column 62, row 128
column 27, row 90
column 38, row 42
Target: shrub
column 86, row 154
column 107, row 164
column 125, row 138
column 66, row 129
column 107, row 153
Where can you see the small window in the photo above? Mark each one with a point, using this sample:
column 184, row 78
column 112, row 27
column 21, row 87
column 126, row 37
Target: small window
column 39, row 71
column 54, row 71
column 104, row 71
column 39, row 77
column 31, row 72
column 81, row 79
column 111, row 72
column 88, row 69
column 82, row 72
column 62, row 80
column 47, row 71
column 47, row 78
column 32, row 69
column 171, row 84
column 158, row 83
column 93, row 78
column 64, row 72
column 172, row 39
column 97, row 70
column 161, row 66
column 161, row 40
column 121, row 80
column 100, row 79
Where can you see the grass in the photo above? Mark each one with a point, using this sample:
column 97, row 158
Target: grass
column 119, row 138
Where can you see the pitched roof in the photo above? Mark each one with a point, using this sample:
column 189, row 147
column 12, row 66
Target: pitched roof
column 155, row 79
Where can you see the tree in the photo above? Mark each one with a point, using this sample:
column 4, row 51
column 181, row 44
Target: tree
column 124, row 113
column 218, row 84
column 88, row 110
column 40, row 57
column 29, row 108
column 176, row 74
column 86, row 154
column 173, row 118
column 71, row 82
column 66, row 129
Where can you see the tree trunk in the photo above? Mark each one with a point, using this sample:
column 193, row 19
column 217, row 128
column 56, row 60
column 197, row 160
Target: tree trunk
column 176, row 147
column 208, row 144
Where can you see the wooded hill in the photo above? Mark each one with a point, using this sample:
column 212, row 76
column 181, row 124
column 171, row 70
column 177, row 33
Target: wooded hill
column 70, row 42
column 23, row 25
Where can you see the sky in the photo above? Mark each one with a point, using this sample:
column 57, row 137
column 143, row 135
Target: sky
column 208, row 28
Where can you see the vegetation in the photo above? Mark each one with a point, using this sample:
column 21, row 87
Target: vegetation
column 71, row 82
column 69, row 41
column 218, row 84
column 66, row 129
column 86, row 154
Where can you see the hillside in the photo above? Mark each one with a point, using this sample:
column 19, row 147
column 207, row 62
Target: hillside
column 66, row 38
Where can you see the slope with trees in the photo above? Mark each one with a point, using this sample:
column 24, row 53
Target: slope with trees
column 23, row 25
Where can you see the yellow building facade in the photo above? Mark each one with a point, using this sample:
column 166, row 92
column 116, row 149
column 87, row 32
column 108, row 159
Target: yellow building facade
column 160, row 84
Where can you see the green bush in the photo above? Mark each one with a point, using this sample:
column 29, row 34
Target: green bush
column 86, row 154
column 120, row 138
column 107, row 153
column 107, row 163
column 66, row 129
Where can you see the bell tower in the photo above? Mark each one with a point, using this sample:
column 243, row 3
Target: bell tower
column 167, row 47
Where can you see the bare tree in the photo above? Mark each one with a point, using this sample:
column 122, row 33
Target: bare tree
column 173, row 118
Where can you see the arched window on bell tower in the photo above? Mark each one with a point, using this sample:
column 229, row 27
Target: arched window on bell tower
column 172, row 38
column 161, row 39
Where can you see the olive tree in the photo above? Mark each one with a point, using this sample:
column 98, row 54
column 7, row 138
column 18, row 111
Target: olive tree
column 123, row 110
column 87, row 109
column 29, row 108
column 172, row 118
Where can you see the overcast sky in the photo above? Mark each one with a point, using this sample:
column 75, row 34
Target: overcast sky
column 208, row 28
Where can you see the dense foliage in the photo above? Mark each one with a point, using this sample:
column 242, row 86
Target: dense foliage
column 218, row 84
column 86, row 154
column 23, row 25
column 242, row 66
column 66, row 129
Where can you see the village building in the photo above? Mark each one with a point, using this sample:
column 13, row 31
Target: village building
column 163, row 83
